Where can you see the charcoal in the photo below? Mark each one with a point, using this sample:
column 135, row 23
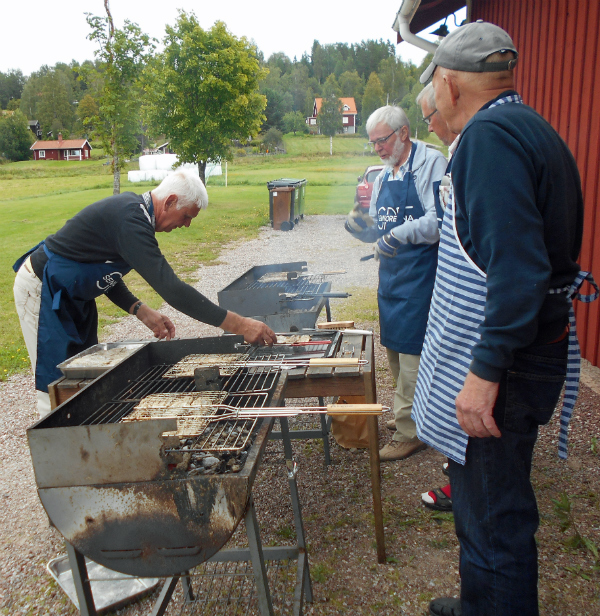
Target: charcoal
column 207, row 379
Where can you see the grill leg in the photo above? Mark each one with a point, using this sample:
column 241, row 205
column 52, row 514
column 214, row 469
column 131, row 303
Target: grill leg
column 298, row 523
column 258, row 562
column 160, row 607
column 328, row 310
column 325, row 432
column 83, row 586
column 186, row 584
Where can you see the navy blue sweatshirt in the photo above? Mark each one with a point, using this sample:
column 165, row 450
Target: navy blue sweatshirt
column 117, row 228
column 519, row 216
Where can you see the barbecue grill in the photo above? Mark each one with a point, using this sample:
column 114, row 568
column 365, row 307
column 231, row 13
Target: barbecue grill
column 138, row 501
column 282, row 295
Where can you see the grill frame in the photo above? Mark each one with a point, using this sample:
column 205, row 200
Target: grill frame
column 138, row 517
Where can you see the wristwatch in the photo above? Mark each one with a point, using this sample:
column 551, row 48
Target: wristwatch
column 136, row 308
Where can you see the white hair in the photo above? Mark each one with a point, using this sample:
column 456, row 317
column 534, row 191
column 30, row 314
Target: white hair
column 188, row 187
column 427, row 94
column 391, row 115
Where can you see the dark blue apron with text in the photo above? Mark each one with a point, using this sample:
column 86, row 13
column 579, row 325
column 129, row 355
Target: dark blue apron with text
column 405, row 280
column 68, row 322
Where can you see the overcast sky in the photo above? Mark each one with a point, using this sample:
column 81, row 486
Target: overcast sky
column 41, row 32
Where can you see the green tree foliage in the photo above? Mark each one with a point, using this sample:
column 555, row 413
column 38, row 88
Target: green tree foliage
column 15, row 137
column 55, row 109
column 278, row 104
column 393, row 76
column 11, row 87
column 204, row 91
column 329, row 119
column 352, row 85
column 273, row 139
column 331, row 87
column 302, row 88
column 32, row 92
column 294, row 122
column 86, row 111
column 369, row 54
column 121, row 56
column 373, row 97
column 413, row 111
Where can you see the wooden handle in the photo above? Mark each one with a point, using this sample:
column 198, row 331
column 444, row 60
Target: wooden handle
column 335, row 325
column 354, row 409
column 333, row 362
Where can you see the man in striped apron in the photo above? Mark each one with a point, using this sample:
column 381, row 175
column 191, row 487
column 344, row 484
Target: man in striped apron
column 495, row 353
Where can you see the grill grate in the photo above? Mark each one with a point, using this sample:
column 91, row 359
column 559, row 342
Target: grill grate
column 245, row 388
column 188, row 364
column 304, row 285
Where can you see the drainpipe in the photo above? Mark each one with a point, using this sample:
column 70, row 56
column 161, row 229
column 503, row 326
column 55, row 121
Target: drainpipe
column 407, row 11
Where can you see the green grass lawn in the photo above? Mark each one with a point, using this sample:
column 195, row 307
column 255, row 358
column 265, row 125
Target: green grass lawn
column 37, row 197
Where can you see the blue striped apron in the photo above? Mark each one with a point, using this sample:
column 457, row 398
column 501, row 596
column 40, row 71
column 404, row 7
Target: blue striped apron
column 457, row 311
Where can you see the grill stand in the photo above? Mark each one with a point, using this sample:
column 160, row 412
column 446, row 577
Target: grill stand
column 255, row 554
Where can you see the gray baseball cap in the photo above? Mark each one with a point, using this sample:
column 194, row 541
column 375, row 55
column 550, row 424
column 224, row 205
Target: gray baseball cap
column 467, row 47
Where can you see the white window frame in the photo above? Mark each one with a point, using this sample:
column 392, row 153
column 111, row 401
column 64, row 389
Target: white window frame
column 41, row 153
column 345, row 120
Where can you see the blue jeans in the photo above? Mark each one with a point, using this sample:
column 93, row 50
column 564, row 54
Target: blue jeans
column 494, row 505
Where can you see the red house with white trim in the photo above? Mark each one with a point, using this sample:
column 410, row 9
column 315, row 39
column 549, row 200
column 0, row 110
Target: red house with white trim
column 349, row 114
column 63, row 149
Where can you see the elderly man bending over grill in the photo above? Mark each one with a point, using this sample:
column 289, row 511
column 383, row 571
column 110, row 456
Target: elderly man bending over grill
column 58, row 280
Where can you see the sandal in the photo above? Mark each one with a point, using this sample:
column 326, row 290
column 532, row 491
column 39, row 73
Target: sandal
column 439, row 499
column 445, row 606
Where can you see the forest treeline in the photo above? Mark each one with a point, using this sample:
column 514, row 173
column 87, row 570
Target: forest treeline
column 60, row 97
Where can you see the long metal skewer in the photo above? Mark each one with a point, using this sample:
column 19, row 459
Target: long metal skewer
column 234, row 412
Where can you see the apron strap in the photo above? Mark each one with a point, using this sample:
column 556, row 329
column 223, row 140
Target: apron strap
column 573, row 356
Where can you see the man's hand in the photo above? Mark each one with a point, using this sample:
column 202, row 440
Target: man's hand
column 161, row 325
column 387, row 246
column 358, row 220
column 254, row 332
column 474, row 406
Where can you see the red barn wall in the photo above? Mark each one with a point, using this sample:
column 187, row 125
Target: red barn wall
column 559, row 64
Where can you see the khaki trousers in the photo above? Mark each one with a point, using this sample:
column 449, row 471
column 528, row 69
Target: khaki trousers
column 405, row 369
column 28, row 296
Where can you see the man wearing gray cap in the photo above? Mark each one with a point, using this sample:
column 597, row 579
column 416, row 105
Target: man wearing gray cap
column 495, row 353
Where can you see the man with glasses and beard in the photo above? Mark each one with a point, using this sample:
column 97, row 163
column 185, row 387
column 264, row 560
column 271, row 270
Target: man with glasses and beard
column 403, row 221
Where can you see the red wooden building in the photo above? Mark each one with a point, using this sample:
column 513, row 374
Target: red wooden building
column 349, row 114
column 63, row 149
column 559, row 65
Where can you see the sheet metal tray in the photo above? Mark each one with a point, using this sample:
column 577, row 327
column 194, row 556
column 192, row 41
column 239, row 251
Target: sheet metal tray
column 111, row 590
column 91, row 372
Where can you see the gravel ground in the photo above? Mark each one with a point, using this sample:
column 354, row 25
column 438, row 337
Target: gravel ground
column 421, row 546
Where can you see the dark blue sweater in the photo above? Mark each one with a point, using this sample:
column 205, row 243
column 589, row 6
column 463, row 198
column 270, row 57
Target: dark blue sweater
column 519, row 216
column 117, row 228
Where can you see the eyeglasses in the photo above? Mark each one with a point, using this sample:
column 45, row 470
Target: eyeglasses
column 382, row 140
column 427, row 119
